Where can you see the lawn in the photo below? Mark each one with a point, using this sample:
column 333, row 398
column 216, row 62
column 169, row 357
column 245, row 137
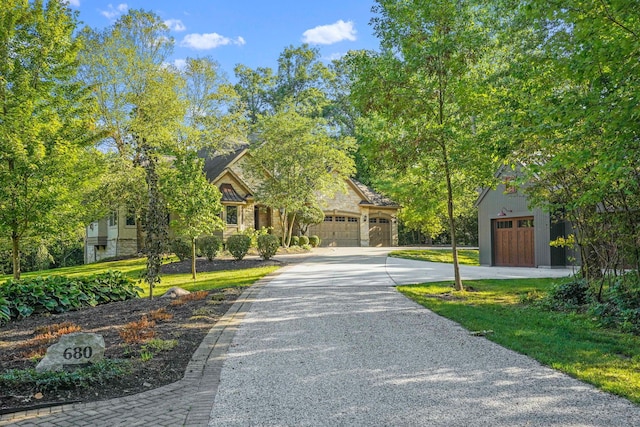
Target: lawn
column 571, row 343
column 465, row 256
column 134, row 269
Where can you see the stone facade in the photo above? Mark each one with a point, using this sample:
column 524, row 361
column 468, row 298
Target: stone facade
column 116, row 235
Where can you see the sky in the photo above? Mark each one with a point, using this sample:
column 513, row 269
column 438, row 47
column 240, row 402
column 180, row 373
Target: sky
column 248, row 32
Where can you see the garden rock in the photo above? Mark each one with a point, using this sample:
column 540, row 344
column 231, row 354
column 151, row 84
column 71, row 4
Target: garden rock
column 73, row 349
column 175, row 292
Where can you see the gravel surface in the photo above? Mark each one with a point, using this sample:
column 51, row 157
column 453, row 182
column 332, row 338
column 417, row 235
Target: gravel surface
column 330, row 342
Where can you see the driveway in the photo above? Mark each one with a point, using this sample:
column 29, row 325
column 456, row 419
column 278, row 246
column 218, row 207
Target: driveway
column 331, row 342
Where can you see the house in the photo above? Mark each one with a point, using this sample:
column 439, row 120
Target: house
column 512, row 234
column 359, row 217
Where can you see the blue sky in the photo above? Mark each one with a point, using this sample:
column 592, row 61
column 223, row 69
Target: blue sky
column 249, row 32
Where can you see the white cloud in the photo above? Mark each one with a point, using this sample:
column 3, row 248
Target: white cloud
column 329, row 34
column 175, row 25
column 114, row 12
column 180, row 64
column 74, row 3
column 208, row 41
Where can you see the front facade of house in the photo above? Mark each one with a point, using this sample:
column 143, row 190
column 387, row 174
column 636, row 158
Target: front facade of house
column 359, row 217
column 511, row 234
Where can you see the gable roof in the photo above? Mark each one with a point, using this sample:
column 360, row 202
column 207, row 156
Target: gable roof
column 372, row 197
column 215, row 166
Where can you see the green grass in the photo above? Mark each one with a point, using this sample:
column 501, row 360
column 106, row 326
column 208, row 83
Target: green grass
column 134, row 269
column 210, row 280
column 570, row 343
column 465, row 256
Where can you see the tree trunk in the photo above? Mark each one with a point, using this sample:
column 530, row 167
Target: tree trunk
column 291, row 224
column 193, row 258
column 15, row 255
column 452, row 222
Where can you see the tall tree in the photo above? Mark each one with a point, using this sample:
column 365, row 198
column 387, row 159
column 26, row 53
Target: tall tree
column 568, row 110
column 192, row 200
column 415, row 93
column 150, row 110
column 45, row 126
column 302, row 161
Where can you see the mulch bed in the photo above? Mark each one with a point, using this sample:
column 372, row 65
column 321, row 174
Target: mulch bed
column 189, row 324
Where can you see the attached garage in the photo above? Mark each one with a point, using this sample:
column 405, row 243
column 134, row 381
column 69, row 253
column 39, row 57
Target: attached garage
column 338, row 230
column 379, row 232
column 514, row 242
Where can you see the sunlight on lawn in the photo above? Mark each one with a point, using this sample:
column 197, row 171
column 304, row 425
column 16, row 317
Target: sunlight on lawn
column 465, row 256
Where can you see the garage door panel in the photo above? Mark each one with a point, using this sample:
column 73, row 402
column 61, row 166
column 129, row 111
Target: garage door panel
column 338, row 230
column 379, row 232
column 513, row 241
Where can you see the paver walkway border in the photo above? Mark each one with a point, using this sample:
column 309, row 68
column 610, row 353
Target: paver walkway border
column 185, row 402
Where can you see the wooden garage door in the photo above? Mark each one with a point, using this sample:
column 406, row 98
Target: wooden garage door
column 337, row 230
column 379, row 232
column 513, row 242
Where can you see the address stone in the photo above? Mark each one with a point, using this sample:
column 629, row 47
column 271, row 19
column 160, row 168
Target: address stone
column 73, row 349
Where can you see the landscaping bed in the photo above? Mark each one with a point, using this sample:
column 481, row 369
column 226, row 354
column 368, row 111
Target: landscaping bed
column 179, row 328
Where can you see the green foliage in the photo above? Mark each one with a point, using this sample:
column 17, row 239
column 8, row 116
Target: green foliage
column 57, row 294
column 419, row 108
column 157, row 345
column 572, row 295
column 314, row 241
column 295, row 241
column 303, row 240
column 238, row 245
column 5, row 310
column 268, row 245
column 620, row 306
column 209, row 246
column 99, row 373
column 181, row 248
column 303, row 160
column 255, row 234
column 45, row 123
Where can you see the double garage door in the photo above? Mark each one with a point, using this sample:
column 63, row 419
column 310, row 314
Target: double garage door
column 513, row 242
column 338, row 230
column 341, row 230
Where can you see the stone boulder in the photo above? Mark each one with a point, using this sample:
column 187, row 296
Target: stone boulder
column 73, row 349
column 175, row 292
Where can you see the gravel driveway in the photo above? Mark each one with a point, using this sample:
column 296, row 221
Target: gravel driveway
column 330, row 342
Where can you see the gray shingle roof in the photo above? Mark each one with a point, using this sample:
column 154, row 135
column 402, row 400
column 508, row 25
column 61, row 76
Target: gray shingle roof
column 373, row 197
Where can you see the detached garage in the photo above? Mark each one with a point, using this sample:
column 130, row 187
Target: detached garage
column 511, row 234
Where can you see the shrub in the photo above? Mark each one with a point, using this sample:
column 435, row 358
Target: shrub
column 304, row 240
column 295, row 241
column 93, row 374
column 567, row 296
column 138, row 332
column 254, row 234
column 238, row 245
column 57, row 294
column 268, row 245
column 620, row 306
column 181, row 248
column 314, row 241
column 209, row 246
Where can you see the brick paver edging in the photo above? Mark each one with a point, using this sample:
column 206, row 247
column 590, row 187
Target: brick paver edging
column 186, row 402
